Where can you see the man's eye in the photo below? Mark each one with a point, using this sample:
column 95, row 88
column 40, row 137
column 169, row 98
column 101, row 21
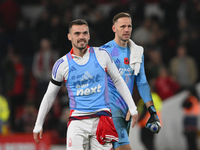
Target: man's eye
column 85, row 33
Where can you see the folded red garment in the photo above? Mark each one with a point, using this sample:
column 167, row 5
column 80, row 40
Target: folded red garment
column 106, row 131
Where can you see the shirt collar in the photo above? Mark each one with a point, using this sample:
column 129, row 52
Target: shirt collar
column 71, row 51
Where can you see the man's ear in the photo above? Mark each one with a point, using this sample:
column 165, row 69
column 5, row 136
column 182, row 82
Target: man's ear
column 113, row 28
column 69, row 36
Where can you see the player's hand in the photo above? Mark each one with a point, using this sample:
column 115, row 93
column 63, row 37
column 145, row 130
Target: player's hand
column 35, row 136
column 153, row 121
column 128, row 116
column 134, row 118
column 153, row 124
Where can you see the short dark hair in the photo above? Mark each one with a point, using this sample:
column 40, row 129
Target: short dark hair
column 78, row 22
column 120, row 15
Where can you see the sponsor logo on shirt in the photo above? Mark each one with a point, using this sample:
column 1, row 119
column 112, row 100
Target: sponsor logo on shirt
column 89, row 91
column 125, row 71
column 84, row 80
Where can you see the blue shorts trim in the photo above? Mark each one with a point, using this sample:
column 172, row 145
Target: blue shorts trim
column 122, row 128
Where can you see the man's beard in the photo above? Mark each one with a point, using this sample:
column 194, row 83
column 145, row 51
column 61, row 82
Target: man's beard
column 80, row 48
column 124, row 40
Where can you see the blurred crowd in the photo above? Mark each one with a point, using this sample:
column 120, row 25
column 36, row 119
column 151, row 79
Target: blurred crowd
column 33, row 35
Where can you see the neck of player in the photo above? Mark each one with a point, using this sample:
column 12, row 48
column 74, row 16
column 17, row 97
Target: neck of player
column 121, row 42
column 79, row 52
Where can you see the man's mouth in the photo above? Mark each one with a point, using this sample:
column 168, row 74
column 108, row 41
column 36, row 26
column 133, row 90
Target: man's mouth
column 126, row 35
column 82, row 42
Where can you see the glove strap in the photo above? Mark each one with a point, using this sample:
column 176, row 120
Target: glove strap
column 152, row 110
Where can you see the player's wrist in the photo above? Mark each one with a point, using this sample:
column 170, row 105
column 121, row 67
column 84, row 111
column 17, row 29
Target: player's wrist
column 134, row 112
column 152, row 110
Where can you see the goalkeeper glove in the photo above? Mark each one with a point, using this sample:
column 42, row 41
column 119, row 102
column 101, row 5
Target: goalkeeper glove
column 153, row 124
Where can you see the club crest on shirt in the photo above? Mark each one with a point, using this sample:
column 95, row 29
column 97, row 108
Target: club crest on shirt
column 70, row 142
column 122, row 133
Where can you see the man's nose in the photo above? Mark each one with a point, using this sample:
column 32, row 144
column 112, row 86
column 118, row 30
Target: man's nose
column 126, row 29
column 81, row 36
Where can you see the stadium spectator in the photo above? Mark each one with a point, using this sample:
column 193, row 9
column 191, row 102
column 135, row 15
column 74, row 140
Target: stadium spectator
column 25, row 119
column 42, row 27
column 154, row 63
column 193, row 45
column 191, row 110
column 9, row 13
column 165, row 85
column 15, row 83
column 42, row 65
column 142, row 34
column 184, row 68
